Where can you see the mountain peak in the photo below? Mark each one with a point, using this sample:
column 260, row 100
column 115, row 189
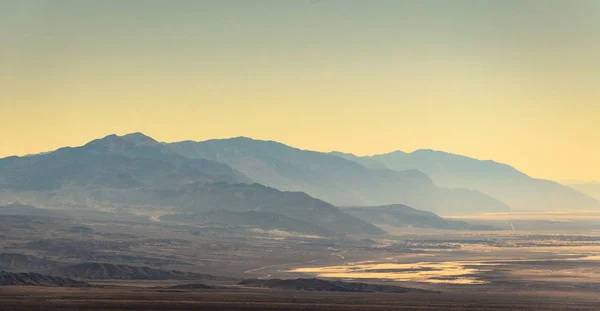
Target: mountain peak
column 134, row 139
column 244, row 139
column 137, row 135
column 332, row 178
column 397, row 152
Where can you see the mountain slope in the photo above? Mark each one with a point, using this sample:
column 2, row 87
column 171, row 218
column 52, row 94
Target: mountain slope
column 334, row 179
column 197, row 198
column 129, row 161
column 134, row 171
column 364, row 161
column 591, row 189
column 498, row 180
column 403, row 216
column 258, row 198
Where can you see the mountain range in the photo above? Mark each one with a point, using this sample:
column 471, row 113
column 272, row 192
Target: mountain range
column 518, row 190
column 130, row 161
column 135, row 171
column 334, row 179
column 268, row 185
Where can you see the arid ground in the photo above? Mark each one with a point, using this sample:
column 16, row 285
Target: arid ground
column 539, row 269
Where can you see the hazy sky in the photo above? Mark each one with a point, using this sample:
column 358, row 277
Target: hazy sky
column 513, row 81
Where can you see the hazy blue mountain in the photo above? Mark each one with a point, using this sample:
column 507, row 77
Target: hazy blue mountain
column 398, row 215
column 519, row 191
column 135, row 171
column 336, row 180
column 364, row 161
column 591, row 189
column 129, row 161
column 138, row 145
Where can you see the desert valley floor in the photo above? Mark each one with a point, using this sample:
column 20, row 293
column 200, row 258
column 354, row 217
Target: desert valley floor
column 547, row 267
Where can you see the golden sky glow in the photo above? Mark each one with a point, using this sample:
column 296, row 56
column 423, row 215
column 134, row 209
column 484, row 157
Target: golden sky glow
column 513, row 81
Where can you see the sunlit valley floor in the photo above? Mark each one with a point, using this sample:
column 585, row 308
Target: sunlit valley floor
column 485, row 268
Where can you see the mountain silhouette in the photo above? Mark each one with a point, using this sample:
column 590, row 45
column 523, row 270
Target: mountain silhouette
column 129, row 161
column 136, row 171
column 501, row 181
column 336, row 180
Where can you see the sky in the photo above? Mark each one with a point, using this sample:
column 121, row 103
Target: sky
column 512, row 81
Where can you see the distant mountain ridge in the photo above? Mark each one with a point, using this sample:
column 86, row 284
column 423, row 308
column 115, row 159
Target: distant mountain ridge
column 117, row 172
column 336, row 180
column 129, row 161
column 591, row 189
column 501, row 181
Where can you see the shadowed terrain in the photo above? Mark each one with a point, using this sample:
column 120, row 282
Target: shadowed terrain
column 325, row 286
column 35, row 279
